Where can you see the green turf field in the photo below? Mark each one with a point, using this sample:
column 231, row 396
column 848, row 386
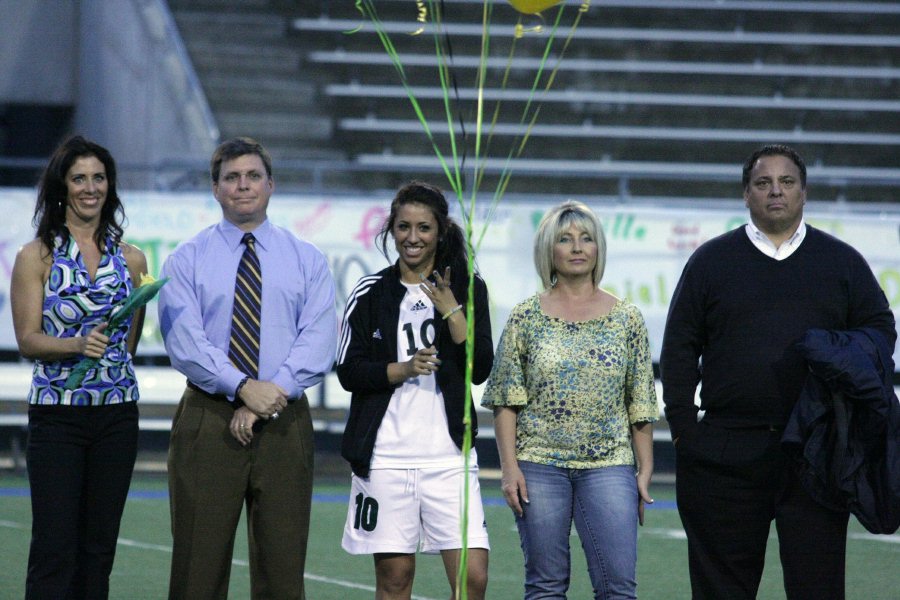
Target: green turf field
column 142, row 561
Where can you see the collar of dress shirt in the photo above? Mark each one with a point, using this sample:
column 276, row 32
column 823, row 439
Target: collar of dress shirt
column 765, row 245
column 234, row 234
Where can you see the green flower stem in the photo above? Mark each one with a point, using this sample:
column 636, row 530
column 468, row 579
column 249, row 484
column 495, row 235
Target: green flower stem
column 138, row 298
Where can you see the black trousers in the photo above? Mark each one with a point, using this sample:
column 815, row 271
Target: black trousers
column 731, row 484
column 80, row 460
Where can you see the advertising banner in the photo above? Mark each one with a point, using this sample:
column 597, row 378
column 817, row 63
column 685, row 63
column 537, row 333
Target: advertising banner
column 646, row 246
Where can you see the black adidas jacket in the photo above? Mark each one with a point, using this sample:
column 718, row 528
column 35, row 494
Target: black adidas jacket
column 369, row 342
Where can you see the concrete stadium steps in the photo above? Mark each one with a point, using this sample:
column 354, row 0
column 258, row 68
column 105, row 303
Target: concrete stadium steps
column 234, row 24
column 259, row 91
column 255, row 79
column 276, row 126
column 274, row 58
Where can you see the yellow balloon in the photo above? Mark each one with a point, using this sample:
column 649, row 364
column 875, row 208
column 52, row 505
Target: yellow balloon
column 533, row 7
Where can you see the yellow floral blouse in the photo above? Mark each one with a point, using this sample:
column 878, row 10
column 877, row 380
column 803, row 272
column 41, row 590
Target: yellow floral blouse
column 580, row 385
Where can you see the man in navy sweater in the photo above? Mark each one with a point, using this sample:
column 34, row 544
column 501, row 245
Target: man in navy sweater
column 744, row 298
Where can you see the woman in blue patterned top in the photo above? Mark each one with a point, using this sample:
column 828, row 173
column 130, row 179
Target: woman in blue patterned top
column 573, row 398
column 82, row 443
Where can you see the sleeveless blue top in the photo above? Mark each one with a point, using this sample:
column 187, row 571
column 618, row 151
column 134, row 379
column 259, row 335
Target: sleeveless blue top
column 73, row 305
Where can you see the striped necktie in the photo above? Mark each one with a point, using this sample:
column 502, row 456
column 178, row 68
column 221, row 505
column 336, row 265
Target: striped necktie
column 243, row 350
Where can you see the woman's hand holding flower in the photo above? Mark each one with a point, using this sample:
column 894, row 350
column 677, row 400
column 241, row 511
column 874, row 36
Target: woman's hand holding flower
column 93, row 345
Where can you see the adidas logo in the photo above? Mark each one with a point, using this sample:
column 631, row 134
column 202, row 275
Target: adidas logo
column 419, row 305
column 376, row 335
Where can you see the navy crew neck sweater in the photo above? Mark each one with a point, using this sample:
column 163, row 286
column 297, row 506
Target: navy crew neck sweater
column 739, row 313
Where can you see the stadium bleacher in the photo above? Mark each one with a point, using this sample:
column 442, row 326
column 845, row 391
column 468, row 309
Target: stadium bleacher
column 651, row 81
column 715, row 77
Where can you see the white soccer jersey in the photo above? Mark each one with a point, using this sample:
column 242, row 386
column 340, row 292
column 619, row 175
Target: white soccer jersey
column 413, row 433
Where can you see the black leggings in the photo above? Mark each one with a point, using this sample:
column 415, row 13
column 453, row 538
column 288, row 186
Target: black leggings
column 80, row 460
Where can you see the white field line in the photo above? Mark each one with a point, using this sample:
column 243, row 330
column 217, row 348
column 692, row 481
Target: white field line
column 871, row 537
column 244, row 563
column 678, row 534
column 863, row 537
column 653, row 531
column 13, row 525
column 656, row 531
column 236, row 562
column 672, row 534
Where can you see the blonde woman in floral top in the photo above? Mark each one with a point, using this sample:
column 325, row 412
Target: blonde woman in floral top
column 573, row 398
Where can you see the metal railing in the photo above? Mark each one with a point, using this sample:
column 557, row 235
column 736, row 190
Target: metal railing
column 326, row 24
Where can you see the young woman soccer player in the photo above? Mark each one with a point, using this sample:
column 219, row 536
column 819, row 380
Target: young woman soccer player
column 402, row 356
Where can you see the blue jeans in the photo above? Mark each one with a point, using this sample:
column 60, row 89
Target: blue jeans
column 604, row 505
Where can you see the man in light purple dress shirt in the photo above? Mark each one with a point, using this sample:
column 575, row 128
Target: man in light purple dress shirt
column 240, row 439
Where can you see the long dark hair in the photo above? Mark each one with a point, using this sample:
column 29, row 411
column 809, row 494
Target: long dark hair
column 451, row 246
column 50, row 209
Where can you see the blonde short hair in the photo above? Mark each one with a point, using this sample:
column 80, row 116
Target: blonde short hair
column 557, row 220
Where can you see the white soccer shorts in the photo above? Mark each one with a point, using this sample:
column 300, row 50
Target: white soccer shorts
column 402, row 510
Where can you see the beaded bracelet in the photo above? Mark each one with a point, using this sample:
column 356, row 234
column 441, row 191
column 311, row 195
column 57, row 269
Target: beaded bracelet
column 450, row 312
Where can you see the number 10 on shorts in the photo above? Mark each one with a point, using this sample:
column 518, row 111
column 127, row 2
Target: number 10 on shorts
column 366, row 513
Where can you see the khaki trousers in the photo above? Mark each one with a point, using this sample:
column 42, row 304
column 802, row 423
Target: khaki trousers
column 211, row 477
